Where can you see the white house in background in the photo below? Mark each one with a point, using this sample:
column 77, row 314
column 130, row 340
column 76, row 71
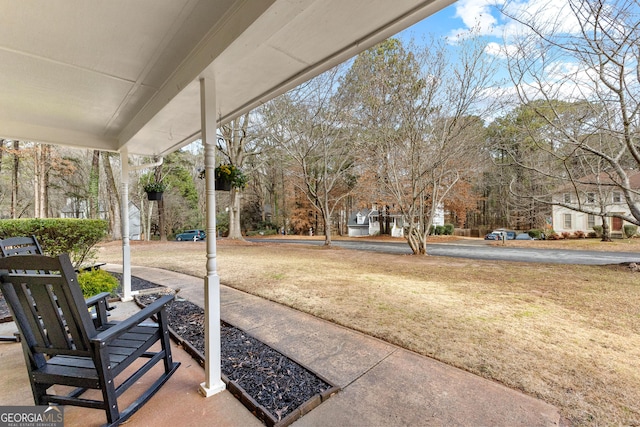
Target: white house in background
column 565, row 219
column 366, row 222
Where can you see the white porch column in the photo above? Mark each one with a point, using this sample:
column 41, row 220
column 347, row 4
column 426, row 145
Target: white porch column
column 124, row 220
column 212, row 365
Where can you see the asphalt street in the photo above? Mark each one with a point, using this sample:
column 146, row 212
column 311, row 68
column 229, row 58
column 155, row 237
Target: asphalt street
column 480, row 250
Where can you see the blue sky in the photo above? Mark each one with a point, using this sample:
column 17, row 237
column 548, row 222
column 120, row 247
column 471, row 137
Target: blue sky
column 501, row 33
column 485, row 17
column 459, row 17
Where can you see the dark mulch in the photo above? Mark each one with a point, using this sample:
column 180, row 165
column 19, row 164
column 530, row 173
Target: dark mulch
column 274, row 381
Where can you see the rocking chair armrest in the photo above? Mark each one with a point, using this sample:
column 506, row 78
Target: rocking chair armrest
column 122, row 327
column 92, row 301
column 101, row 305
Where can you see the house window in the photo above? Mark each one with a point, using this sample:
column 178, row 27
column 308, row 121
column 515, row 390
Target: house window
column 567, row 221
column 617, row 197
column 591, row 197
column 567, row 197
column 591, row 221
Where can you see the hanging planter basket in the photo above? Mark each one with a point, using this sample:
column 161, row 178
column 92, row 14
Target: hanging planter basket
column 223, row 184
column 154, row 195
column 227, row 176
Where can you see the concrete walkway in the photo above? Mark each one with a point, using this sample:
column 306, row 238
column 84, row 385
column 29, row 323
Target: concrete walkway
column 382, row 384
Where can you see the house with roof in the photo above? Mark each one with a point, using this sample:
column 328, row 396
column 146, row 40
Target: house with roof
column 594, row 194
column 366, row 222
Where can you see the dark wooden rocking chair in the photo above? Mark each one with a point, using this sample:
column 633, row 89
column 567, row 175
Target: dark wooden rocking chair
column 62, row 345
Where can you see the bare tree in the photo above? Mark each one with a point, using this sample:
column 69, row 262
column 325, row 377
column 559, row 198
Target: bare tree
column 307, row 123
column 415, row 109
column 237, row 142
column 578, row 70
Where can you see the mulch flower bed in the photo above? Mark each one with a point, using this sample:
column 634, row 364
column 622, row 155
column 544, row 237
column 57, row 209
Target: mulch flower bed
column 275, row 388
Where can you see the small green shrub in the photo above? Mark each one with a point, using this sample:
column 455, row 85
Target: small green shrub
column 535, row 233
column 448, row 229
column 630, row 230
column 598, row 230
column 222, row 223
column 439, row 230
column 97, row 281
column 77, row 237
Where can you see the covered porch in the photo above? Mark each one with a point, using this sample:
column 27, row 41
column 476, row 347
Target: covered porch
column 149, row 77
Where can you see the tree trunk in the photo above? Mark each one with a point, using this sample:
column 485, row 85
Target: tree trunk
column 417, row 241
column 94, row 185
column 235, row 231
column 45, row 180
column 37, row 173
column 1, row 152
column 147, row 225
column 161, row 218
column 326, row 222
column 14, row 179
column 114, row 199
column 606, row 234
column 41, row 168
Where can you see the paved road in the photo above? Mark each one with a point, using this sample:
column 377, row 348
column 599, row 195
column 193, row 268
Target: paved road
column 478, row 250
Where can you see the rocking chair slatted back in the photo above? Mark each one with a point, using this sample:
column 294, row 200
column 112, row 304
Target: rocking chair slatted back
column 20, row 246
column 51, row 308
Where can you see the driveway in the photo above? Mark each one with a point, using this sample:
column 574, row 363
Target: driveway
column 479, row 250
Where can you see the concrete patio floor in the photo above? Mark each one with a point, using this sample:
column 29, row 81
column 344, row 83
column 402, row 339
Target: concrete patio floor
column 381, row 384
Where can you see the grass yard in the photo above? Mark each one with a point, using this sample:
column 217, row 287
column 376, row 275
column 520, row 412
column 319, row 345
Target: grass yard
column 569, row 335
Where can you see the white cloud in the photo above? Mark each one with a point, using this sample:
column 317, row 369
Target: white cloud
column 477, row 14
column 548, row 15
column 483, row 17
column 500, row 50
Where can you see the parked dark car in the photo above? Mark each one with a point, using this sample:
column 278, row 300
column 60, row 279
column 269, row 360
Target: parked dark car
column 192, row 235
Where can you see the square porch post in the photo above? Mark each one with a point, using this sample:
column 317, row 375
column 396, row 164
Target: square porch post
column 213, row 369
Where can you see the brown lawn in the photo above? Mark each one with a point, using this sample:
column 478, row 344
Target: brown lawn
column 569, row 335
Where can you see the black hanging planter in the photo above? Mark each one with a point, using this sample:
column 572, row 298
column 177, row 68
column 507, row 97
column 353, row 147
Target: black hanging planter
column 223, row 184
column 154, row 195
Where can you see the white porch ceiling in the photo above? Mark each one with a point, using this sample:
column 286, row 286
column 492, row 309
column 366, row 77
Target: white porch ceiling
column 119, row 74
